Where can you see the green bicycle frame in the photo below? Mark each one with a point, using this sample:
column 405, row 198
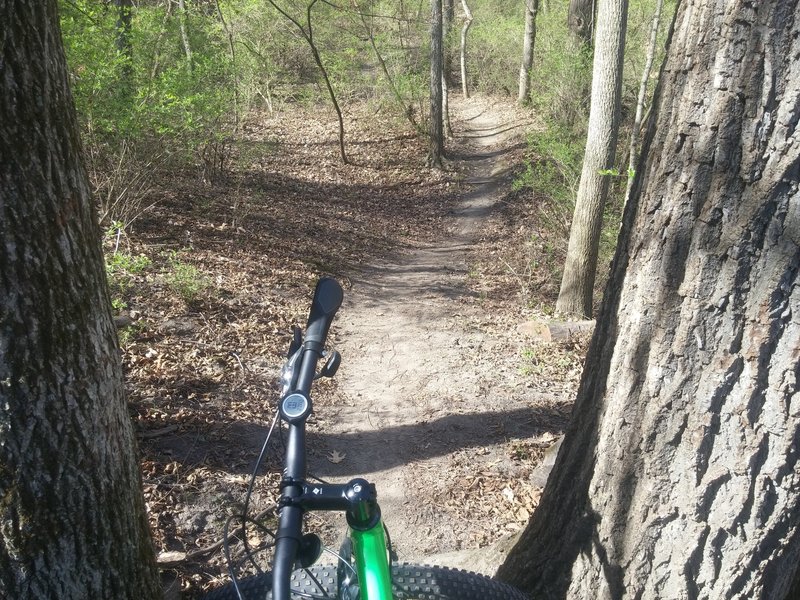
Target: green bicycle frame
column 372, row 563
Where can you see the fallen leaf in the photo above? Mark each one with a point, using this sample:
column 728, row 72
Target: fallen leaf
column 336, row 457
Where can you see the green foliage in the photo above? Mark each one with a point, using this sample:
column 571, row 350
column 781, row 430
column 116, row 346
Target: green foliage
column 155, row 96
column 186, row 280
column 494, row 47
column 127, row 264
column 127, row 334
column 122, row 270
column 553, row 171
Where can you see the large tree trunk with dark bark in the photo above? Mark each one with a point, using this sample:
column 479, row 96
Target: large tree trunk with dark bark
column 679, row 477
column 577, row 282
column 72, row 517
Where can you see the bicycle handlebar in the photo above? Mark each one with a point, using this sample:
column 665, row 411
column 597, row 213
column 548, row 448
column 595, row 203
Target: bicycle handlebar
column 328, row 297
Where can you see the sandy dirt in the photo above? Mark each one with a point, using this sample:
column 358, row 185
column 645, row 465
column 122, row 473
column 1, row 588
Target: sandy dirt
column 431, row 402
column 440, row 400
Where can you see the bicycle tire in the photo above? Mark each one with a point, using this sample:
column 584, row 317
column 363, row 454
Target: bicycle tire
column 410, row 581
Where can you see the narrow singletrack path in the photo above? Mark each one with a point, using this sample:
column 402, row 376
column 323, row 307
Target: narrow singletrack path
column 430, row 395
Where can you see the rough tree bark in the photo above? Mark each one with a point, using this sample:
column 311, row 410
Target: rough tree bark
column 577, row 282
column 72, row 516
column 679, row 477
column 528, row 42
column 437, row 128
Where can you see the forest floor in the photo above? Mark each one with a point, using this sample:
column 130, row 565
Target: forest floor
column 440, row 400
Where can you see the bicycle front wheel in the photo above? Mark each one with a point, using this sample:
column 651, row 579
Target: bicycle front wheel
column 409, row 582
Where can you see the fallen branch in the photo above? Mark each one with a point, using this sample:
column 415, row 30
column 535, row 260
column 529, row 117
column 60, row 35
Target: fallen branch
column 556, row 330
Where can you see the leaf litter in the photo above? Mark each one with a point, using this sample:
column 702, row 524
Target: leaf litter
column 201, row 371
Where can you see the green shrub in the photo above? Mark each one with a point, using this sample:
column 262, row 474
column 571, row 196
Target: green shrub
column 122, row 268
column 186, row 280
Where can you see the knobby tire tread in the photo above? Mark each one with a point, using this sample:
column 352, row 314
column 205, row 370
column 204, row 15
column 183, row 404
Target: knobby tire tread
column 411, row 582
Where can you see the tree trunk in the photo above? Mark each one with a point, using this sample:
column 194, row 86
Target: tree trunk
column 636, row 128
column 448, row 15
column 447, row 60
column 528, row 42
column 408, row 110
column 187, row 46
column 577, row 283
column 308, row 34
column 72, row 516
column 679, row 475
column 580, row 20
column 232, row 50
column 448, row 127
column 123, row 39
column 464, row 31
column 437, row 134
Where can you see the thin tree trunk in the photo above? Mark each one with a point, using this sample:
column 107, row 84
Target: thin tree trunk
column 123, row 39
column 232, row 50
column 308, row 34
column 72, row 516
column 636, row 128
column 187, row 46
column 577, row 283
column 157, row 45
column 447, row 22
column 448, row 128
column 464, row 31
column 448, row 15
column 528, row 43
column 407, row 109
column 679, row 476
column 436, row 133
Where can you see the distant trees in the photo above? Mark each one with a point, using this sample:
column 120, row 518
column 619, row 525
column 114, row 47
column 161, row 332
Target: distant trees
column 72, row 516
column 577, row 282
column 679, row 475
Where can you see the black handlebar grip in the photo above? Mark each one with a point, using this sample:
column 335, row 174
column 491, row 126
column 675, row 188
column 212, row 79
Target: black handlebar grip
column 327, row 299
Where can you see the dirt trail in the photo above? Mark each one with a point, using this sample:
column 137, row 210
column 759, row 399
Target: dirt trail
column 430, row 389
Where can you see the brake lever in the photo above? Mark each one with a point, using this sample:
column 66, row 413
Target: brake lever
column 297, row 341
column 288, row 375
column 331, row 365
